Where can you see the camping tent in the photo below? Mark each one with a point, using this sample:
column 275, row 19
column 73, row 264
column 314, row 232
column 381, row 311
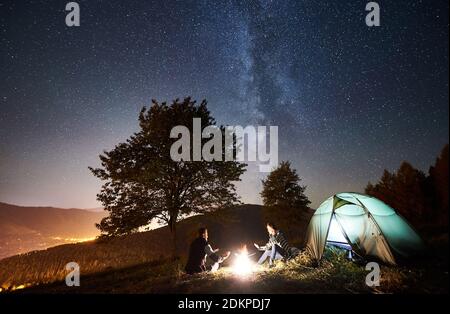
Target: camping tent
column 364, row 224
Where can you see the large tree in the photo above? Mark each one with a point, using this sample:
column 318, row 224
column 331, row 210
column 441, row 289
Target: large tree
column 142, row 182
column 285, row 202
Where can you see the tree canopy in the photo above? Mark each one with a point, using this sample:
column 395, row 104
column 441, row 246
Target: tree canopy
column 284, row 198
column 422, row 199
column 142, row 182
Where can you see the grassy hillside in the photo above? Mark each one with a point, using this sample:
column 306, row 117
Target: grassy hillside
column 142, row 263
column 228, row 230
column 335, row 274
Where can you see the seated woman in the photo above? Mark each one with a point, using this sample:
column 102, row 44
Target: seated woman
column 199, row 250
column 277, row 247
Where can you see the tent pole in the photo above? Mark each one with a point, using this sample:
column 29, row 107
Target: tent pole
column 369, row 214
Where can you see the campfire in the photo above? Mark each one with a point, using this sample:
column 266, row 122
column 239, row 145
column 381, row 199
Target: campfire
column 242, row 265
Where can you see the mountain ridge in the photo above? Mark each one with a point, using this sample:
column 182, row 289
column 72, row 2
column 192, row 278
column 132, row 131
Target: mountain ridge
column 27, row 228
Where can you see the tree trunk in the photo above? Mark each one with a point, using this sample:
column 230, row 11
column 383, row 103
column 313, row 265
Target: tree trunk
column 173, row 231
column 174, row 241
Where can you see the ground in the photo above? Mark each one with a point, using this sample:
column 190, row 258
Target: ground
column 335, row 274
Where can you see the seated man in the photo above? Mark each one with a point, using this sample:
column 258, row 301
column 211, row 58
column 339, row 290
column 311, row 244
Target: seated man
column 277, row 247
column 199, row 250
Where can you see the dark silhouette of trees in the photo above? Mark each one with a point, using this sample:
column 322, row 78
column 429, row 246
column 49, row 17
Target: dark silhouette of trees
column 403, row 190
column 438, row 181
column 142, row 182
column 285, row 202
column 421, row 199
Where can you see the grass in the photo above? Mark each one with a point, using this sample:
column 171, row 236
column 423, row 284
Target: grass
column 135, row 264
column 335, row 274
column 47, row 266
column 100, row 256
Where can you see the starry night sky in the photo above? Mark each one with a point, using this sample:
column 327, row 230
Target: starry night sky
column 349, row 100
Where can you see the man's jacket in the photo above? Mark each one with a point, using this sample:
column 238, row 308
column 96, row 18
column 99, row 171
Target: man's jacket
column 198, row 251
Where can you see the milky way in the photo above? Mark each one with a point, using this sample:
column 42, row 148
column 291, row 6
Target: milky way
column 349, row 100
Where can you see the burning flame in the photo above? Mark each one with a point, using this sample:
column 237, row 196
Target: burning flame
column 242, row 264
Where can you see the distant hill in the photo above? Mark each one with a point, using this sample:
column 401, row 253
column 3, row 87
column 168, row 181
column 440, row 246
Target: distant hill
column 24, row 229
column 228, row 230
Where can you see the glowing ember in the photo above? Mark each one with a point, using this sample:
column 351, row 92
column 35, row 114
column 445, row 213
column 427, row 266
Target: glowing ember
column 242, row 264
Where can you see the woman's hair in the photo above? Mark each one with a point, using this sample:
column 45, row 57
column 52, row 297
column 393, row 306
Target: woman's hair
column 272, row 225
